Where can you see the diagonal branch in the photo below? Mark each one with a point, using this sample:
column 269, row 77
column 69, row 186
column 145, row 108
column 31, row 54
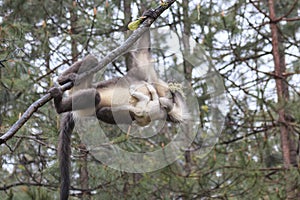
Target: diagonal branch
column 106, row 60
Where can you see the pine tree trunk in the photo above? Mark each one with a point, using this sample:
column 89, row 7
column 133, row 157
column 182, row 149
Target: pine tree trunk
column 286, row 134
column 188, row 67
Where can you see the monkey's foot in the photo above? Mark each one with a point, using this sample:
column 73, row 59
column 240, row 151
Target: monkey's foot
column 68, row 78
column 55, row 92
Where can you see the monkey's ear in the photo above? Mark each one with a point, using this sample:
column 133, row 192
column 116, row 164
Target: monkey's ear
column 166, row 103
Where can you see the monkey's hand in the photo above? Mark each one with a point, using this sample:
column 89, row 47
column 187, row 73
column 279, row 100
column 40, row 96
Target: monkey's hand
column 57, row 95
column 150, row 13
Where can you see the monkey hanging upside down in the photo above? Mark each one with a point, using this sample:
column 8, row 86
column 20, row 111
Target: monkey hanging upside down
column 139, row 96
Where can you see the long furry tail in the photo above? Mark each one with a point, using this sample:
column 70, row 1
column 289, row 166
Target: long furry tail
column 64, row 153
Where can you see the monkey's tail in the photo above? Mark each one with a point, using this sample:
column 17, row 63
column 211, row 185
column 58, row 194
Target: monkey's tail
column 64, row 153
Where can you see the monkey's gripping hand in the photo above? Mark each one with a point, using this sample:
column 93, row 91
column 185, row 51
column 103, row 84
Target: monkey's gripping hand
column 57, row 95
column 150, row 13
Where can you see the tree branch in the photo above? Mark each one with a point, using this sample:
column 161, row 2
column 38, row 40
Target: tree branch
column 28, row 113
column 106, row 60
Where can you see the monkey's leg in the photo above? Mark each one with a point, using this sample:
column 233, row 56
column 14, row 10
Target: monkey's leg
column 121, row 110
column 82, row 99
column 119, row 114
column 86, row 98
column 126, row 114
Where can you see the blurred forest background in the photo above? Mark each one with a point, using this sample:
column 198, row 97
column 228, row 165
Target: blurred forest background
column 253, row 44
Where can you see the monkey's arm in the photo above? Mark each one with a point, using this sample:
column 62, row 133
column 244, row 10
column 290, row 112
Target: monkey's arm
column 82, row 99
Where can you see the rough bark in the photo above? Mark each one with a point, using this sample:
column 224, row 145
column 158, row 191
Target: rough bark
column 286, row 132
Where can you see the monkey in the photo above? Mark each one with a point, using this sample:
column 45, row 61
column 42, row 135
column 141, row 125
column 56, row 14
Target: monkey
column 140, row 97
column 146, row 105
column 125, row 109
column 130, row 101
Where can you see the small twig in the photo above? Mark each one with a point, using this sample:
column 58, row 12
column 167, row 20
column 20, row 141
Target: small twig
column 106, row 60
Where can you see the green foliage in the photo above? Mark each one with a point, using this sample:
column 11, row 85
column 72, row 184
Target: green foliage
column 23, row 192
